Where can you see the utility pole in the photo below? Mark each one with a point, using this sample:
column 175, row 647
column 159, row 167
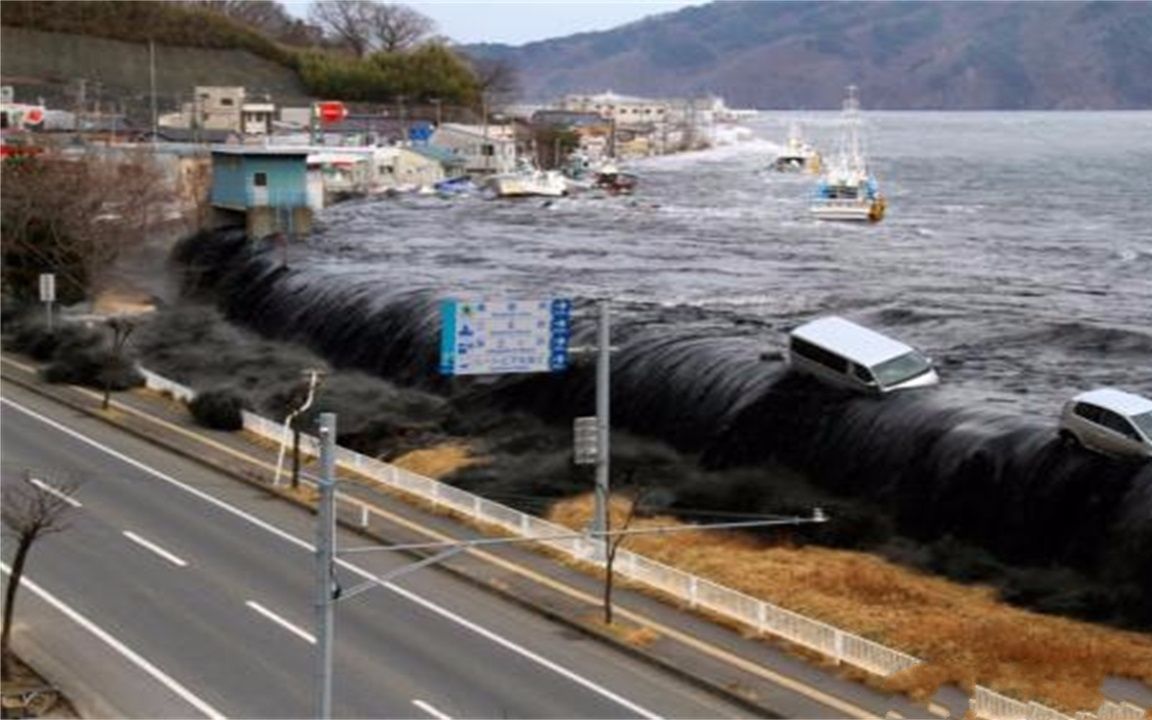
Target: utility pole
column 603, row 423
column 152, row 82
column 81, row 99
column 325, row 567
column 485, row 149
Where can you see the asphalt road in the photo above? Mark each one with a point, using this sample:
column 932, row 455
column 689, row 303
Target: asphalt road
column 197, row 594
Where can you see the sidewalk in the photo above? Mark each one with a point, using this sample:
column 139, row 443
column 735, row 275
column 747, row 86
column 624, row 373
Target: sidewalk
column 767, row 680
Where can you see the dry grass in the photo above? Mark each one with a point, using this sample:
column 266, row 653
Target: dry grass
column 622, row 631
column 436, row 462
column 964, row 634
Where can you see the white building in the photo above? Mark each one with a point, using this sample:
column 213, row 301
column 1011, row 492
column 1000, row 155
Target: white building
column 370, row 170
column 490, row 149
column 624, row 109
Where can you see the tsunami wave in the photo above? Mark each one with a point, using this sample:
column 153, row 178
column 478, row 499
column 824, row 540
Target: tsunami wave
column 940, row 468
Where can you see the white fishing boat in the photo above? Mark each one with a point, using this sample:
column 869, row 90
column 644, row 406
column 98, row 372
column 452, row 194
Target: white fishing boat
column 798, row 155
column 848, row 190
column 528, row 181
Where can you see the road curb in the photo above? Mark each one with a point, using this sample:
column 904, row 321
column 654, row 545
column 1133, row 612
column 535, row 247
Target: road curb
column 713, row 688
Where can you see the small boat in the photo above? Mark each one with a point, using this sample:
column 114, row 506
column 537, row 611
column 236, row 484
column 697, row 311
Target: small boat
column 798, row 155
column 583, row 174
column 528, row 181
column 609, row 178
column 848, row 191
column 462, row 185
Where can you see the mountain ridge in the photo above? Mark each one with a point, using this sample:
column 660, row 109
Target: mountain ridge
column 904, row 55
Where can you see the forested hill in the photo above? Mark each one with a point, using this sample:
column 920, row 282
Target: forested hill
column 903, row 55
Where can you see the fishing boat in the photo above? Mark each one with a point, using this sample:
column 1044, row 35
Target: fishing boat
column 798, row 154
column 528, row 181
column 848, row 190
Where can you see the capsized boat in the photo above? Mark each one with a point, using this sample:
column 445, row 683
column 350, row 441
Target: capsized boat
column 848, row 190
column 798, row 154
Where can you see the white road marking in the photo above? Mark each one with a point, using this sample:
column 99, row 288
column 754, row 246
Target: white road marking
column 120, row 647
column 427, row 604
column 281, row 621
column 154, row 548
column 431, row 710
column 53, row 491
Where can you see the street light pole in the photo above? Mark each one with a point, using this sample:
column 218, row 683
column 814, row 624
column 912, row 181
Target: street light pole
column 603, row 423
column 325, row 552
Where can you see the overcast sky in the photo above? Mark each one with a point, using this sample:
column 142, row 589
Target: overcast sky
column 516, row 23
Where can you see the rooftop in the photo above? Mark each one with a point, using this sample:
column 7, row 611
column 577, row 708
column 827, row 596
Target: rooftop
column 1125, row 403
column 259, row 150
column 855, row 342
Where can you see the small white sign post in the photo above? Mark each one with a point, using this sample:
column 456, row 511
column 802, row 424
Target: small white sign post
column 48, row 294
column 585, row 444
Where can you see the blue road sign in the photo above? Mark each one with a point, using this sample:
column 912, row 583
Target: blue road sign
column 498, row 336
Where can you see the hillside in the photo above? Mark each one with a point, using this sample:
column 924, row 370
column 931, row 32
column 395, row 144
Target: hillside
column 47, row 64
column 903, row 55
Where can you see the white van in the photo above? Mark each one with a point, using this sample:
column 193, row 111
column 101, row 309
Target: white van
column 848, row 355
column 1110, row 421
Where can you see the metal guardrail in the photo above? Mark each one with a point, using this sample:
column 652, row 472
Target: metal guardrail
column 763, row 617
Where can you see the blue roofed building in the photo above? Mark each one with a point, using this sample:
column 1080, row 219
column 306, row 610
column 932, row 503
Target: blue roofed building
column 269, row 186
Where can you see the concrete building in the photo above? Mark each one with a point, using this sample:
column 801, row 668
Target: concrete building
column 217, row 108
column 223, row 109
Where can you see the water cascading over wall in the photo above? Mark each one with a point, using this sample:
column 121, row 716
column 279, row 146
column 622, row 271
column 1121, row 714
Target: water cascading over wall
column 996, row 480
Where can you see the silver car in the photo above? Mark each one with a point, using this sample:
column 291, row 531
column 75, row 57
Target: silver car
column 1110, row 421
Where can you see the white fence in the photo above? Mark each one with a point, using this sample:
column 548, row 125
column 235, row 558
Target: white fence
column 992, row 705
column 696, row 592
column 164, row 385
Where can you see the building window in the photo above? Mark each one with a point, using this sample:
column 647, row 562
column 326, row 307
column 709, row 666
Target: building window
column 226, row 102
column 260, row 179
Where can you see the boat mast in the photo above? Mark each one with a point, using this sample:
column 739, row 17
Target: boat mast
column 852, row 121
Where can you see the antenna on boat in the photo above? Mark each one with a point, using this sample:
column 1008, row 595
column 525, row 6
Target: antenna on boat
column 852, row 120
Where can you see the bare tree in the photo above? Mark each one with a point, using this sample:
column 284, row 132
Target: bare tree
column 31, row 509
column 399, row 27
column 613, row 545
column 365, row 26
column 349, row 22
column 498, row 80
column 121, row 329
column 267, row 16
column 76, row 216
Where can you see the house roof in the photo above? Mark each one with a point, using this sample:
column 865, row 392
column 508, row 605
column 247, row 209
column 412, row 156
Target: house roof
column 442, row 155
column 259, row 150
column 174, row 134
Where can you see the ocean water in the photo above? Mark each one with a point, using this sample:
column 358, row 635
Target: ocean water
column 1017, row 250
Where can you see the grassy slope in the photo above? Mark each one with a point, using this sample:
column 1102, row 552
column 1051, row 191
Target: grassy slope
column 966, row 636
column 48, row 64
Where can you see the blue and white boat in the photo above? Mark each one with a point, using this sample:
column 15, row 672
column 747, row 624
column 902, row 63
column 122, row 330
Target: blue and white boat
column 848, row 190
